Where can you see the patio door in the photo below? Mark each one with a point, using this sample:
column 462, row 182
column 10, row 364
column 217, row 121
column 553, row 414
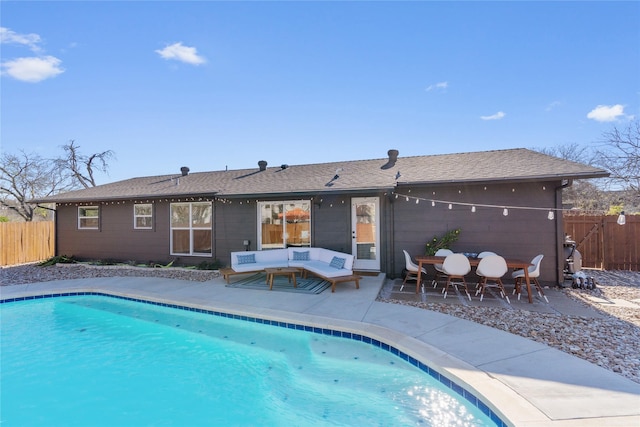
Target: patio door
column 365, row 233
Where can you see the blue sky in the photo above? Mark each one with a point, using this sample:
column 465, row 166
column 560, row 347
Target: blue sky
column 211, row 85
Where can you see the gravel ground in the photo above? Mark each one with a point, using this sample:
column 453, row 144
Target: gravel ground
column 30, row 273
column 612, row 342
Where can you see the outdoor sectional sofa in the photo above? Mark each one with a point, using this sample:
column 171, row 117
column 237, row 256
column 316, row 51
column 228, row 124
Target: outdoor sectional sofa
column 333, row 266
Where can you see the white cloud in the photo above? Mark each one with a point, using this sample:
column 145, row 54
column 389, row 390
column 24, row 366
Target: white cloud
column 181, row 53
column 8, row 36
column 32, row 69
column 29, row 69
column 607, row 113
column 441, row 85
column 497, row 116
column 553, row 105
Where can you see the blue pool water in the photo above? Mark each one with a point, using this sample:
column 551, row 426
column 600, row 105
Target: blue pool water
column 100, row 361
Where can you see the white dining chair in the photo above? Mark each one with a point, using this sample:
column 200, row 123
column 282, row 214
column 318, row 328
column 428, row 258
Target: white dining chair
column 485, row 254
column 534, row 273
column 491, row 268
column 411, row 270
column 456, row 266
column 438, row 267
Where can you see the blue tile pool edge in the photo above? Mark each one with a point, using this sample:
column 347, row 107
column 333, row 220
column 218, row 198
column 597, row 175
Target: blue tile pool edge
column 459, row 390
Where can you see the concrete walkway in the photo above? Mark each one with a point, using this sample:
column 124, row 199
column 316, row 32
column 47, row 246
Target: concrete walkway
column 526, row 383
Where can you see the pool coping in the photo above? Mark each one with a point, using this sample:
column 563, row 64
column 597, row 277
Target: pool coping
column 513, row 405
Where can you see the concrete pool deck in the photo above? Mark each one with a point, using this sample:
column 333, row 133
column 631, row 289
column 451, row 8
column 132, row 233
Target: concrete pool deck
column 525, row 382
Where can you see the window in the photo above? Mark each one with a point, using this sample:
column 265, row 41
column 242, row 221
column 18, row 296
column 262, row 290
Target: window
column 191, row 229
column 143, row 216
column 88, row 218
column 285, row 224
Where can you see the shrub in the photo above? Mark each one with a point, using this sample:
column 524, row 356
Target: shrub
column 442, row 242
column 60, row 259
column 210, row 265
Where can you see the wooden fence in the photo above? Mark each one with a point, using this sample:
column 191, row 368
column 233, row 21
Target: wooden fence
column 24, row 242
column 603, row 243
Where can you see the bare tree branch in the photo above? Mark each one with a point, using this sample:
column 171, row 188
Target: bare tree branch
column 620, row 155
column 571, row 151
column 83, row 167
column 28, row 176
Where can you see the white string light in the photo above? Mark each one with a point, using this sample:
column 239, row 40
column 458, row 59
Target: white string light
column 622, row 220
column 449, row 202
column 474, row 206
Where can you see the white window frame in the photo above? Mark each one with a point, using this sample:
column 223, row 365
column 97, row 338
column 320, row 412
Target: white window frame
column 136, row 216
column 82, row 217
column 284, row 206
column 191, row 228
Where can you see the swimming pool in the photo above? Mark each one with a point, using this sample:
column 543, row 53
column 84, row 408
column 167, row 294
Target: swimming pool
column 99, row 360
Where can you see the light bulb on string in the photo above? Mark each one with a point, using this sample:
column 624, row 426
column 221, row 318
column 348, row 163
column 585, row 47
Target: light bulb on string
column 450, row 206
column 433, row 203
column 622, row 220
column 550, row 216
column 473, row 208
column 505, row 212
column 417, row 201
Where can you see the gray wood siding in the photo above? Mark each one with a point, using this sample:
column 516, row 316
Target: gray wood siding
column 331, row 224
column 404, row 225
column 522, row 234
column 234, row 223
column 117, row 239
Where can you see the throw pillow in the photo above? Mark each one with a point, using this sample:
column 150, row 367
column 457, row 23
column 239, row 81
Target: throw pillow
column 301, row 256
column 247, row 259
column 337, row 262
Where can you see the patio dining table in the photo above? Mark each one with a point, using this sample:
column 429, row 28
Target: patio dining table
column 511, row 263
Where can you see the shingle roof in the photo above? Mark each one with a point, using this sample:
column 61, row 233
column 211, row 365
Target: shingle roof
column 377, row 174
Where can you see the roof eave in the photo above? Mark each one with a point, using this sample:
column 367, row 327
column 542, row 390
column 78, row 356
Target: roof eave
column 53, row 199
column 551, row 177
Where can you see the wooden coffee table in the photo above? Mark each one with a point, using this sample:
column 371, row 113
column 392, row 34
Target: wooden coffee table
column 282, row 271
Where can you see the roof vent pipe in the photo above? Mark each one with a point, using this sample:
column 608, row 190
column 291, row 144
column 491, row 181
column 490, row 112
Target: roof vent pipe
column 262, row 164
column 393, row 155
column 184, row 170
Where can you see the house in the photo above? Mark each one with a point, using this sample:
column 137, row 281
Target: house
column 506, row 201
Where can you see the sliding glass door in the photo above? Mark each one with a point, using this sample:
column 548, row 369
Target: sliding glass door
column 284, row 224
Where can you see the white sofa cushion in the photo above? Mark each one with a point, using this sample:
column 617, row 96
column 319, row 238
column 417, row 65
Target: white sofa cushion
column 273, row 258
column 321, row 268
